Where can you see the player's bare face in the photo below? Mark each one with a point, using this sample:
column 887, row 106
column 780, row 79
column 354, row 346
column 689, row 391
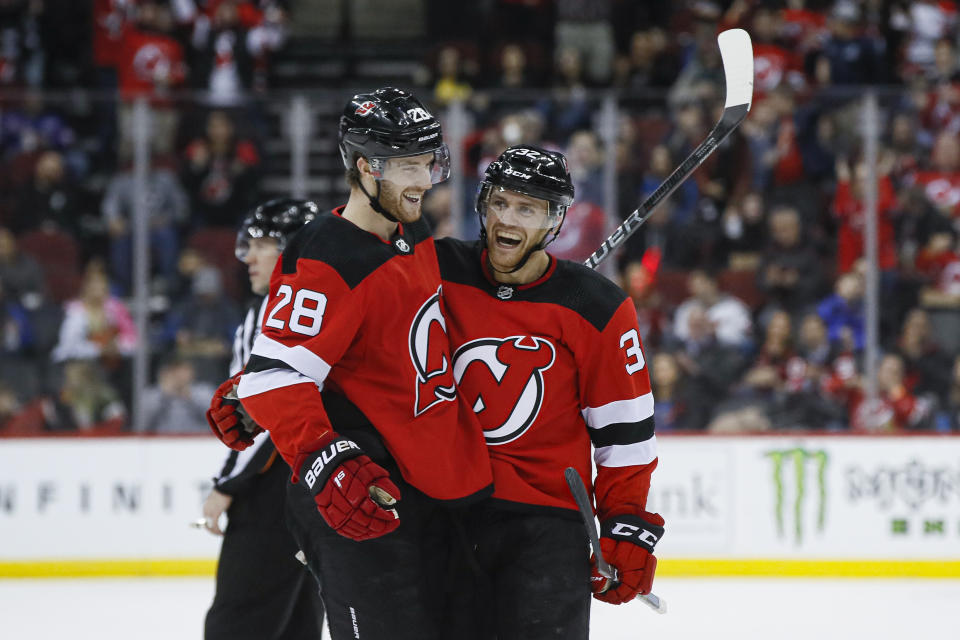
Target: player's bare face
column 514, row 222
column 404, row 182
column 261, row 258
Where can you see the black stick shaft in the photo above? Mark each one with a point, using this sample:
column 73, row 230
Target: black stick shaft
column 732, row 117
column 579, row 491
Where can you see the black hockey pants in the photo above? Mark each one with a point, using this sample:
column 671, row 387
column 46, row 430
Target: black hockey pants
column 528, row 577
column 263, row 591
column 388, row 588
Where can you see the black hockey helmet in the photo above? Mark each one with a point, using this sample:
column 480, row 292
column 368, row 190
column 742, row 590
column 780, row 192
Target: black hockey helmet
column 279, row 218
column 532, row 171
column 391, row 123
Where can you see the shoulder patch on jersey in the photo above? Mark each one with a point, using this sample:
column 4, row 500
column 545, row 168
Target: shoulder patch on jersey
column 353, row 253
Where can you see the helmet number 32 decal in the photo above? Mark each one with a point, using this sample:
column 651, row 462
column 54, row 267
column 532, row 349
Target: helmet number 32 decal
column 306, row 315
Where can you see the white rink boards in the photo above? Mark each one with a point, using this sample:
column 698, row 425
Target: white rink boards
column 762, row 505
column 741, row 609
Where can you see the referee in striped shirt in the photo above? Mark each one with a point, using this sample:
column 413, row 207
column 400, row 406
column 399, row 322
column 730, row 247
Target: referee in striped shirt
column 263, row 591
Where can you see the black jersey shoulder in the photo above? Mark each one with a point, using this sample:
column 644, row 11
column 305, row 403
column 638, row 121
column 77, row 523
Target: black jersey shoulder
column 580, row 289
column 572, row 285
column 352, row 252
column 460, row 262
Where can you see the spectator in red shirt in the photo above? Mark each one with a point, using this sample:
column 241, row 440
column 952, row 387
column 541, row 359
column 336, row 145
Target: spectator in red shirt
column 771, row 133
column 150, row 64
column 803, row 28
column 111, row 19
column 896, row 409
column 938, row 262
column 773, row 63
column 848, row 209
column 941, row 184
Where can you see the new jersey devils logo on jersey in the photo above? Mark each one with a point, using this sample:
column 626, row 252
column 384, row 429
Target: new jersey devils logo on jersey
column 429, row 350
column 503, row 380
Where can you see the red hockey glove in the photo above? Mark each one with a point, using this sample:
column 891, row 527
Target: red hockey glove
column 627, row 543
column 227, row 418
column 350, row 489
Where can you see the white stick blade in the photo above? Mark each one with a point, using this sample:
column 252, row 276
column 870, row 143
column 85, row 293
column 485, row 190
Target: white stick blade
column 736, row 51
column 655, row 602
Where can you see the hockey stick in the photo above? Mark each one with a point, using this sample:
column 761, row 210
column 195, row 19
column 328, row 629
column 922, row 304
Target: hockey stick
column 737, row 54
column 603, row 567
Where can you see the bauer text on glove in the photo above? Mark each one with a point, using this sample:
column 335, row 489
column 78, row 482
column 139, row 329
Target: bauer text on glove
column 354, row 495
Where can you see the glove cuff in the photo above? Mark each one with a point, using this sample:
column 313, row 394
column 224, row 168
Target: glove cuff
column 631, row 528
column 317, row 467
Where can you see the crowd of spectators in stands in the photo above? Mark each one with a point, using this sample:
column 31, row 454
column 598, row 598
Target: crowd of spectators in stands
column 68, row 192
column 749, row 282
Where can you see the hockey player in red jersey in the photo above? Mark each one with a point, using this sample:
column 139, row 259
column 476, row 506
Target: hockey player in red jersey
column 548, row 354
column 355, row 312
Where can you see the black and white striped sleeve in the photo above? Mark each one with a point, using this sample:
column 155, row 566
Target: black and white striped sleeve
column 240, row 467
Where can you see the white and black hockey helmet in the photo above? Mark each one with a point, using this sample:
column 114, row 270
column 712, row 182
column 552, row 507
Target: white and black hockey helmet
column 279, row 218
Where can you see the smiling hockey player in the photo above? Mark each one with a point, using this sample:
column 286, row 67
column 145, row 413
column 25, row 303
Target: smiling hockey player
column 548, row 354
column 354, row 311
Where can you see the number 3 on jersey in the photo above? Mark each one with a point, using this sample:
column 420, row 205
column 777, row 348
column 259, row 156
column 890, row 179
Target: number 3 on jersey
column 307, row 313
column 635, row 360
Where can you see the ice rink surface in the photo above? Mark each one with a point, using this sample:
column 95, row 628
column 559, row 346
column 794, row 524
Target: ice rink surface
column 742, row 609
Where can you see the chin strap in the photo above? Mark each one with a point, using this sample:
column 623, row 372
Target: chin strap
column 375, row 202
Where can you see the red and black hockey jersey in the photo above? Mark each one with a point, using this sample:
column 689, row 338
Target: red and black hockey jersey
column 354, row 313
column 550, row 368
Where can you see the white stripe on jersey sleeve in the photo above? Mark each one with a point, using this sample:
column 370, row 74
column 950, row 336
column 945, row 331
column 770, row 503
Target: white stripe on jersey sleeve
column 244, row 457
column 258, row 382
column 299, row 357
column 626, row 455
column 633, row 410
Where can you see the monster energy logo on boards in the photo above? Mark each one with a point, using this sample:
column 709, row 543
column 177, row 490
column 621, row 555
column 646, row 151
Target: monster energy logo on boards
column 797, row 459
